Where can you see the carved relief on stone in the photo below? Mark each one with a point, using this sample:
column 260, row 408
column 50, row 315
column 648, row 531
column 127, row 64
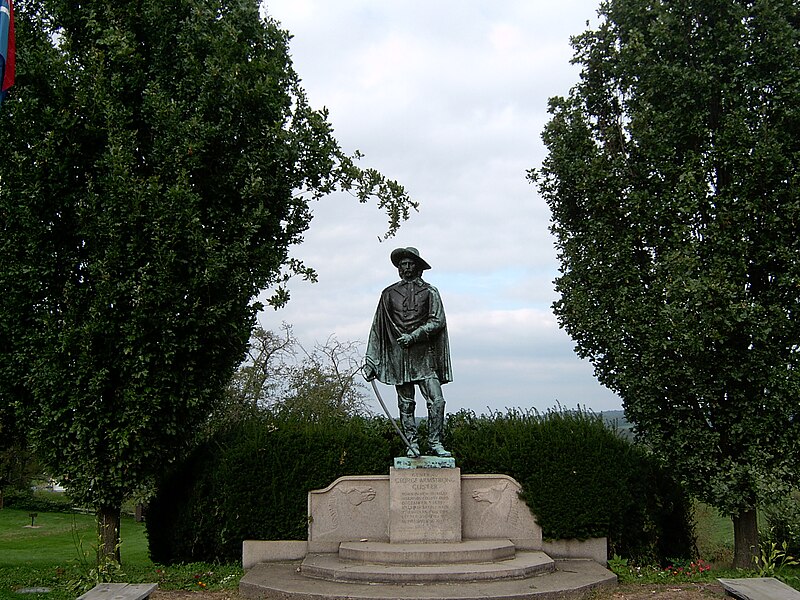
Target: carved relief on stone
column 340, row 505
column 499, row 506
column 351, row 508
column 492, row 508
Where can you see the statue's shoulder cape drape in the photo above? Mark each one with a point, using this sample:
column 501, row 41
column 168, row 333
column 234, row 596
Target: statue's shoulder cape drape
column 413, row 308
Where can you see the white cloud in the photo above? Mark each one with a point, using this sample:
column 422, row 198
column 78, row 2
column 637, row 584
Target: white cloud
column 449, row 98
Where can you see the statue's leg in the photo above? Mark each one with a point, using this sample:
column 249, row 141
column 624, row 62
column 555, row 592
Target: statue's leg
column 432, row 390
column 408, row 420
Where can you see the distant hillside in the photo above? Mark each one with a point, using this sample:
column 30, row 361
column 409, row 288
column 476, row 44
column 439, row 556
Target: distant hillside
column 616, row 419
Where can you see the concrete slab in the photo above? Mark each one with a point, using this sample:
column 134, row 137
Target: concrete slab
column 572, row 579
column 594, row 548
column 759, row 588
column 120, row 591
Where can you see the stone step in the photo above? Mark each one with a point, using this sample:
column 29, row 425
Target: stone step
column 332, row 568
column 470, row 551
column 571, row 580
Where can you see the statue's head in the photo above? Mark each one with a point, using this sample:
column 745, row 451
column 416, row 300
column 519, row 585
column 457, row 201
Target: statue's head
column 409, row 263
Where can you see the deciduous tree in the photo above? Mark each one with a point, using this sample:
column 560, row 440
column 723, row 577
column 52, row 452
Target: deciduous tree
column 327, row 381
column 672, row 177
column 279, row 374
column 158, row 162
column 259, row 381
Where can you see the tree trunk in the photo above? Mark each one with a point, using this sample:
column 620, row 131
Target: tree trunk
column 108, row 519
column 745, row 539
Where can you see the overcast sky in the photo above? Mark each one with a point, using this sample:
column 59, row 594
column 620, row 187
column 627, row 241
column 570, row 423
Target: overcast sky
column 449, row 97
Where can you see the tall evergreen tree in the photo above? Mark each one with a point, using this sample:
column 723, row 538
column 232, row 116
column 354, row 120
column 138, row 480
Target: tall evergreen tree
column 158, row 161
column 673, row 181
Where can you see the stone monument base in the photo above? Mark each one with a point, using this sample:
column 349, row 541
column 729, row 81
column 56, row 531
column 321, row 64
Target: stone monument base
column 423, row 533
column 424, row 505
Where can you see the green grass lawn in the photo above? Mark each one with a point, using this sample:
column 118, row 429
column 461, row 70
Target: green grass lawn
column 714, row 534
column 60, row 538
column 59, row 551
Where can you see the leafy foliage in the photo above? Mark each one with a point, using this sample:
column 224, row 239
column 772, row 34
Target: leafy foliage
column 672, row 177
column 260, row 380
column 327, row 380
column 18, row 467
column 91, row 571
column 280, row 374
column 159, row 159
column 773, row 558
column 38, row 501
column 580, row 479
column 777, row 556
column 252, row 482
column 783, row 523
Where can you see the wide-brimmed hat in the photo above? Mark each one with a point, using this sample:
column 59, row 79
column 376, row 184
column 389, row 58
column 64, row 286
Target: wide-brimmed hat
column 412, row 253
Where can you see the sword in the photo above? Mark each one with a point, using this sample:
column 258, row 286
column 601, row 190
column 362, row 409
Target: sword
column 392, row 421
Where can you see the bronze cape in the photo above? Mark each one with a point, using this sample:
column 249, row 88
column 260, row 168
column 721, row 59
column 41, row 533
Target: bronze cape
column 413, row 308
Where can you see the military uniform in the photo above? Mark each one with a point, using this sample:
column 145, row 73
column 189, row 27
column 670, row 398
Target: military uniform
column 413, row 308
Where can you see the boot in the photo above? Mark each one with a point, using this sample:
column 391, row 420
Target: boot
column 435, row 427
column 413, row 450
column 438, row 450
column 408, row 423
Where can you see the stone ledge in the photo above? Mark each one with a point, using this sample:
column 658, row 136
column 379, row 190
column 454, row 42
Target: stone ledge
column 261, row 551
column 428, row 554
column 594, row 548
column 257, row 551
column 330, row 567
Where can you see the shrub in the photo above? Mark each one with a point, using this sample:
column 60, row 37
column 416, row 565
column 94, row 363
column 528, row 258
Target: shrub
column 252, row 482
column 38, row 501
column 580, row 479
column 783, row 523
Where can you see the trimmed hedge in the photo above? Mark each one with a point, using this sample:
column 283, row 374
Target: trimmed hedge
column 37, row 501
column 252, row 483
column 580, row 479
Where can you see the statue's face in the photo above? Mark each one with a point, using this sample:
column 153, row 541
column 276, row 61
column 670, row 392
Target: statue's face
column 408, row 269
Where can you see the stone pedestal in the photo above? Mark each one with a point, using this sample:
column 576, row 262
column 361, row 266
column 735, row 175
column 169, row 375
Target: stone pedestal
column 424, row 505
column 423, row 532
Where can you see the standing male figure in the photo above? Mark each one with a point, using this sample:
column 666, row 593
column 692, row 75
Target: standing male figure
column 408, row 347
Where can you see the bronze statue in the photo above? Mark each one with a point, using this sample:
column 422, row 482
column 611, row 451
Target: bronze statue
column 408, row 346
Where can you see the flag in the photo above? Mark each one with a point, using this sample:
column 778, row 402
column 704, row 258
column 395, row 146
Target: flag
column 7, row 47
